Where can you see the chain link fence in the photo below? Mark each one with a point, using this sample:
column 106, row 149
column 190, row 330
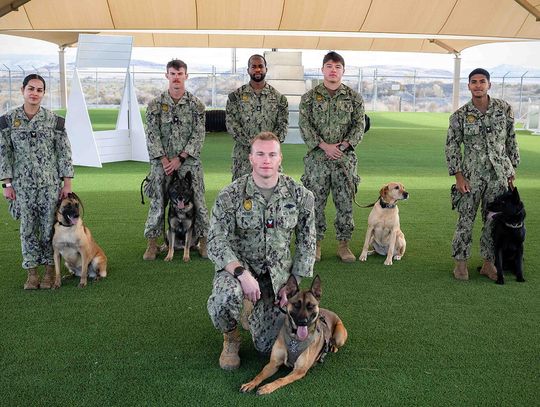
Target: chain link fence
column 381, row 91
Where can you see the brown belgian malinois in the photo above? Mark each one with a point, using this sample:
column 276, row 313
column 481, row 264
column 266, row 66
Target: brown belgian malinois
column 74, row 242
column 308, row 333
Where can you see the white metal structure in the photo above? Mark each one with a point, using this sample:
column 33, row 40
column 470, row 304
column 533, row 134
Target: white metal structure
column 128, row 140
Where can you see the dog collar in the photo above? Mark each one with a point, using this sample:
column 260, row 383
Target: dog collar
column 514, row 225
column 66, row 226
column 385, row 205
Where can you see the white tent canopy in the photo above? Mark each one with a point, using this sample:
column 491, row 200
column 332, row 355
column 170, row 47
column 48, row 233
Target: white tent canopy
column 442, row 26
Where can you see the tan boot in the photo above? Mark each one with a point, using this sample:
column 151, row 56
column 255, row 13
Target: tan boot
column 460, row 271
column 489, row 270
column 32, row 282
column 151, row 250
column 48, row 278
column 344, row 253
column 318, row 251
column 203, row 249
column 229, row 359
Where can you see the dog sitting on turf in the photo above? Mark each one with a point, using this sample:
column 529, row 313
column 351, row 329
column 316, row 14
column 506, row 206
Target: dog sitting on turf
column 180, row 216
column 73, row 241
column 507, row 212
column 384, row 233
column 307, row 334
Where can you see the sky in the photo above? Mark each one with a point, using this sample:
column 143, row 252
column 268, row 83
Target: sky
column 526, row 54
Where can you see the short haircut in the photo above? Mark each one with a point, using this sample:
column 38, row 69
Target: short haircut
column 265, row 136
column 176, row 64
column 333, row 56
column 256, row 56
column 28, row 78
column 479, row 71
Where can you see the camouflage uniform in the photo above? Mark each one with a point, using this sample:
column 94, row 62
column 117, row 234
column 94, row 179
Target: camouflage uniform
column 490, row 153
column 36, row 155
column 246, row 228
column 170, row 129
column 332, row 119
column 250, row 113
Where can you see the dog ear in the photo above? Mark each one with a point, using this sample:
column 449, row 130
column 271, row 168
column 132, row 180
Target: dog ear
column 515, row 195
column 316, row 289
column 291, row 288
column 384, row 190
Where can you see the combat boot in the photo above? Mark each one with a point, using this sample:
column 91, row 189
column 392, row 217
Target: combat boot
column 229, row 359
column 32, row 282
column 318, row 251
column 151, row 250
column 460, row 271
column 489, row 270
column 344, row 253
column 203, row 248
column 48, row 278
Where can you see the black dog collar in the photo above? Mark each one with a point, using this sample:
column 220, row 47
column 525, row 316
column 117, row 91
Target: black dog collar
column 385, row 205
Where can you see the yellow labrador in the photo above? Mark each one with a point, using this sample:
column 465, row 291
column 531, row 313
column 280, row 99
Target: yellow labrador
column 383, row 233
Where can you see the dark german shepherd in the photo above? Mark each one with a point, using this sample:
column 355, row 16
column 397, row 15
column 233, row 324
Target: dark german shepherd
column 508, row 214
column 308, row 333
column 180, row 215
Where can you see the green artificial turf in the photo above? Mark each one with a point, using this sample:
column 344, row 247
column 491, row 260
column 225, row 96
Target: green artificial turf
column 417, row 337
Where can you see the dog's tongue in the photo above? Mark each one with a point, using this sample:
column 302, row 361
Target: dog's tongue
column 181, row 205
column 72, row 219
column 302, row 332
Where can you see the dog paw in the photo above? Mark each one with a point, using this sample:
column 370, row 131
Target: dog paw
column 363, row 256
column 520, row 280
column 266, row 389
column 57, row 283
column 186, row 259
column 168, row 258
column 247, row 387
column 499, row 281
column 82, row 284
column 388, row 262
column 397, row 257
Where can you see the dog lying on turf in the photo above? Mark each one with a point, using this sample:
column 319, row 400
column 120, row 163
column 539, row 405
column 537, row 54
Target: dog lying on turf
column 307, row 334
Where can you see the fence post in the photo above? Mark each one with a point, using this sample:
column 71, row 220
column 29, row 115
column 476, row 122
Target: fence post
column 10, row 101
column 502, row 90
column 521, row 93
column 213, row 86
column 374, row 97
column 414, row 93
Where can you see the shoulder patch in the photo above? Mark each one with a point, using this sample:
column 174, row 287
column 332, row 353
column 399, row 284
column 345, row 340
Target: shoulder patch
column 60, row 123
column 232, row 97
column 3, row 122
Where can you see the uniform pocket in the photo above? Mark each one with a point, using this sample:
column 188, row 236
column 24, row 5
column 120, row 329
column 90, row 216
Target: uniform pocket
column 455, row 196
column 14, row 209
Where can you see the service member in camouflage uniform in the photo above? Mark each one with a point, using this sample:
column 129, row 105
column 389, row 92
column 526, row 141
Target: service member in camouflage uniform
column 332, row 124
column 485, row 169
column 252, row 109
column 252, row 225
column 175, row 134
column 35, row 158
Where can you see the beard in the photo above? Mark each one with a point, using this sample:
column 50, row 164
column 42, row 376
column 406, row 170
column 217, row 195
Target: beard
column 258, row 77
